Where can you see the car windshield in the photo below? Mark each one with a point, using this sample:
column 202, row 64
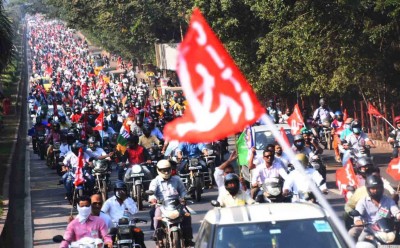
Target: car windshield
column 263, row 138
column 295, row 233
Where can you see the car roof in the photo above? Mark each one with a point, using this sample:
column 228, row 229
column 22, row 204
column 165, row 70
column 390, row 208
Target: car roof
column 266, row 127
column 264, row 213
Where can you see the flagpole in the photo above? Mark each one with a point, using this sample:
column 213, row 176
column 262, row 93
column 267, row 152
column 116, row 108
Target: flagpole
column 321, row 199
column 388, row 122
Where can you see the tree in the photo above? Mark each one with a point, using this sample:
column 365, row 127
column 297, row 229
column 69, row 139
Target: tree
column 6, row 39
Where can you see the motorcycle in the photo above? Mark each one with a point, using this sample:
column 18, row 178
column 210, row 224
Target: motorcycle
column 172, row 215
column 382, row 233
column 326, row 135
column 271, row 191
column 40, row 145
column 101, row 172
column 140, row 180
column 210, row 161
column 126, row 235
column 86, row 242
column 53, row 159
column 194, row 181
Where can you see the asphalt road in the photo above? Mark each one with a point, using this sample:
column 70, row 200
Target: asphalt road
column 50, row 210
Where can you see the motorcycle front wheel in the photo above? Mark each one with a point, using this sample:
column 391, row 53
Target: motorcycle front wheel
column 198, row 188
column 104, row 191
column 176, row 240
column 139, row 199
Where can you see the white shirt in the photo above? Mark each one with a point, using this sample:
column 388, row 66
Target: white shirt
column 96, row 153
column 262, row 173
column 64, row 149
column 71, row 159
column 116, row 210
column 299, row 183
column 106, row 219
column 220, row 181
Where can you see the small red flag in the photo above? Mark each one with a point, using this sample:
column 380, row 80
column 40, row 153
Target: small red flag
column 220, row 101
column 79, row 170
column 99, row 122
column 393, row 169
column 284, row 135
column 373, row 111
column 345, row 176
column 295, row 120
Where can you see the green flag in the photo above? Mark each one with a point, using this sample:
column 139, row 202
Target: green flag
column 242, row 150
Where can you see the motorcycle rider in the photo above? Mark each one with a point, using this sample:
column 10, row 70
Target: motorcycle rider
column 299, row 184
column 233, row 195
column 115, row 206
column 85, row 225
column 299, row 146
column 265, row 170
column 191, row 150
column 76, row 117
column 38, row 129
column 273, row 111
column 359, row 140
column 53, row 137
column 96, row 152
column 167, row 187
column 373, row 207
column 135, row 154
column 394, row 137
column 321, row 114
column 310, row 141
column 337, row 128
column 147, row 139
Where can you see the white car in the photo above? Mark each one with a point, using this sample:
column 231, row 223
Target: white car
column 50, row 112
column 269, row 225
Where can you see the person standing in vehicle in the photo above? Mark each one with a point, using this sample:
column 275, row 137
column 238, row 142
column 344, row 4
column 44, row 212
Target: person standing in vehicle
column 85, row 225
column 233, row 195
column 373, row 207
column 169, row 188
column 115, row 206
column 394, row 137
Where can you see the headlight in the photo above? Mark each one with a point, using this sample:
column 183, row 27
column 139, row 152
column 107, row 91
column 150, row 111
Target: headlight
column 194, row 162
column 124, row 230
column 386, row 237
column 136, row 169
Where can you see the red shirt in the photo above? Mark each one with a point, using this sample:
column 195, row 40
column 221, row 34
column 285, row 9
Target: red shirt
column 76, row 117
column 136, row 156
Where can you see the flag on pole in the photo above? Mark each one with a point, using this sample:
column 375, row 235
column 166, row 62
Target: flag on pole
column 122, row 140
column 79, row 170
column 373, row 111
column 242, row 150
column 393, row 169
column 345, row 176
column 295, row 120
column 99, row 122
column 220, row 101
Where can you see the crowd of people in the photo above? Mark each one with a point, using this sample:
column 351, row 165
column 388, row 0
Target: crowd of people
column 97, row 116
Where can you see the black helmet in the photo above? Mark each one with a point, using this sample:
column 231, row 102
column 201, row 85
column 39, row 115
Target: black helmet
column 230, row 179
column 374, row 185
column 56, row 126
column 75, row 147
column 118, row 186
column 356, row 126
column 364, row 166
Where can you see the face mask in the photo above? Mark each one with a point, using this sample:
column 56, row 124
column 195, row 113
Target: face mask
column 84, row 213
column 356, row 130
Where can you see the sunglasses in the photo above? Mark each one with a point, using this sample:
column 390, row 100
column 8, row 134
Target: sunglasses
column 268, row 156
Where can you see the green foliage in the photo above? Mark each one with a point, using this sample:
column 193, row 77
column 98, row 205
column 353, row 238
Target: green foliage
column 6, row 38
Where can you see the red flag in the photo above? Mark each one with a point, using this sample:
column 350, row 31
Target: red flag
column 79, row 170
column 55, row 109
column 295, row 120
column 345, row 115
column 345, row 176
column 99, row 122
column 393, row 169
column 373, row 111
column 284, row 136
column 220, row 101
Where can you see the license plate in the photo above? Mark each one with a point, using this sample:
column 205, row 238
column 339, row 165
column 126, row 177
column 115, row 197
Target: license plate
column 137, row 175
column 388, row 246
column 126, row 241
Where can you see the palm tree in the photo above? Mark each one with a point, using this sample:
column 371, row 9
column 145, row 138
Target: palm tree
column 6, row 38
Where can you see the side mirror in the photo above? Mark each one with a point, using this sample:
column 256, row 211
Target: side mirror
column 58, row 239
column 354, row 213
column 215, row 203
column 149, row 192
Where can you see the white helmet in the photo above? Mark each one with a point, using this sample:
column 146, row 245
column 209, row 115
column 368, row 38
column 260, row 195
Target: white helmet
column 164, row 169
